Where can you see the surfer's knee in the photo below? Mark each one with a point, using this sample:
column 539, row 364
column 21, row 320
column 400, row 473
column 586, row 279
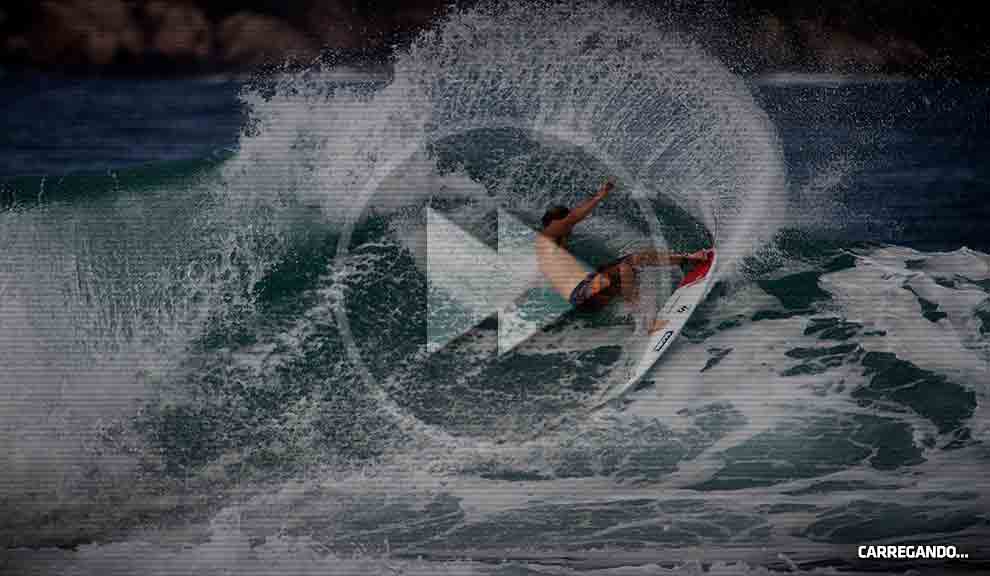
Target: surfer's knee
column 632, row 260
column 627, row 281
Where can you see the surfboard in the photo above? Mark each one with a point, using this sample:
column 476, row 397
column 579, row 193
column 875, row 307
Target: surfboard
column 678, row 309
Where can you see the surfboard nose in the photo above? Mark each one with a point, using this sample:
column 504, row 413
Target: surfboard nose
column 699, row 271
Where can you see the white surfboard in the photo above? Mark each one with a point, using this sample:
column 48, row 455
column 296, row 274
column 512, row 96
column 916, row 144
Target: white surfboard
column 676, row 311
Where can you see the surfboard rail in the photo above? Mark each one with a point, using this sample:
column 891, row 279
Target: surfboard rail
column 690, row 292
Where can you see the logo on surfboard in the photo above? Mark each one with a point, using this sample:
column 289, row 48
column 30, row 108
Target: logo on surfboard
column 663, row 340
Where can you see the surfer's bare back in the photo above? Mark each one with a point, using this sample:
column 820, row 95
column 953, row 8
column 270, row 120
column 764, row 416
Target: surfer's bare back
column 594, row 290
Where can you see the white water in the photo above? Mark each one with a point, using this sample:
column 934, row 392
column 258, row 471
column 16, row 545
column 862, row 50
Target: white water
column 668, row 120
column 645, row 103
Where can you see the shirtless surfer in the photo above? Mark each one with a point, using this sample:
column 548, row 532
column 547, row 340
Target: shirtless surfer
column 594, row 290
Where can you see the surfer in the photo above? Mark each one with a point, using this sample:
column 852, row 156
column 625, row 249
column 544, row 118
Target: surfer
column 593, row 291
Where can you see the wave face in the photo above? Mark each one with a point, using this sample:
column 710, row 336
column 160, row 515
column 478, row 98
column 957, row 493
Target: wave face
column 248, row 337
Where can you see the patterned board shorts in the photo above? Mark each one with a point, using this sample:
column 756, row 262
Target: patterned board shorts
column 586, row 297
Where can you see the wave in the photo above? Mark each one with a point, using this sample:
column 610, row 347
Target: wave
column 272, row 309
column 26, row 192
column 645, row 104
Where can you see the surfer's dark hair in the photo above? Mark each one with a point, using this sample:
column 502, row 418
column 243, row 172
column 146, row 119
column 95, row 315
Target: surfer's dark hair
column 555, row 213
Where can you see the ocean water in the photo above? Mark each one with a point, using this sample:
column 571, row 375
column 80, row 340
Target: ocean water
column 215, row 316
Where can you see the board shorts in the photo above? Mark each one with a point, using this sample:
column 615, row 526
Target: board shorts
column 586, row 297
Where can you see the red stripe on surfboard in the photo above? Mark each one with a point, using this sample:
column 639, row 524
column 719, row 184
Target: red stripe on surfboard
column 699, row 271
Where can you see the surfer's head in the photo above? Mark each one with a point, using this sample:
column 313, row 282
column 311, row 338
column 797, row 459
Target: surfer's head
column 555, row 213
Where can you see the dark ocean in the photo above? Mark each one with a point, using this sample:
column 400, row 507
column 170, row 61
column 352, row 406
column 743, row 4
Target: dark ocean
column 215, row 316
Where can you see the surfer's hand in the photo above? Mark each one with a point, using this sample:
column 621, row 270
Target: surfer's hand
column 608, row 185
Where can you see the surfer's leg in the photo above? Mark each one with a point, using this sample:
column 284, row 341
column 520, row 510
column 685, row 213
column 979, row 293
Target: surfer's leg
column 630, row 286
column 627, row 280
column 658, row 325
column 651, row 257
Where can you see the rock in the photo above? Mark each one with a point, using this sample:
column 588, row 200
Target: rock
column 416, row 15
column 82, row 33
column 768, row 43
column 247, row 39
column 194, row 36
column 835, row 51
column 177, row 30
column 338, row 26
column 903, row 54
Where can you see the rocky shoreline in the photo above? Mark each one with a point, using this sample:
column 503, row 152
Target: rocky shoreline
column 188, row 37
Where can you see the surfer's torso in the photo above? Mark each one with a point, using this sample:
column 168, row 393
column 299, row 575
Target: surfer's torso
column 559, row 266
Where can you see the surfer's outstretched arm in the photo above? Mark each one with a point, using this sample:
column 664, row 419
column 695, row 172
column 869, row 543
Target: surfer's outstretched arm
column 582, row 210
column 563, row 226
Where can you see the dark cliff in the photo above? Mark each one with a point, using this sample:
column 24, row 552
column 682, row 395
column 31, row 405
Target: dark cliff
column 153, row 37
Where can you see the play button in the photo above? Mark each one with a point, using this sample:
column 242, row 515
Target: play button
column 469, row 281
